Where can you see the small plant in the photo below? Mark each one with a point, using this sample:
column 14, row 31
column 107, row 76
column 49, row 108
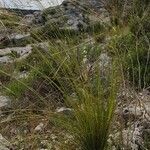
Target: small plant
column 94, row 102
column 93, row 109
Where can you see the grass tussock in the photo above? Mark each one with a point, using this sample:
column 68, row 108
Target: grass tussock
column 92, row 112
column 69, row 73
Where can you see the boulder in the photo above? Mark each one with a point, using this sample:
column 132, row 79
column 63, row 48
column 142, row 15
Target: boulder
column 73, row 16
column 69, row 18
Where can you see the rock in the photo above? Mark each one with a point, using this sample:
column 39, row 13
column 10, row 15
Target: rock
column 134, row 110
column 28, row 19
column 53, row 137
column 4, row 52
column 69, row 15
column 64, row 110
column 38, row 19
column 5, row 59
column 105, row 60
column 4, row 144
column 131, row 137
column 4, row 101
column 16, row 36
column 44, row 46
column 104, row 66
column 21, row 75
column 39, row 127
column 15, row 39
column 33, row 19
column 14, row 53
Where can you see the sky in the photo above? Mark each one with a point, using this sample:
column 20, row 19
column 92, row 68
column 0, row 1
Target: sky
column 29, row 4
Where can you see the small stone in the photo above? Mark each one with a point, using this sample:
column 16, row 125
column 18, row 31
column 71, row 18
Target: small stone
column 39, row 127
column 64, row 110
column 53, row 137
column 4, row 101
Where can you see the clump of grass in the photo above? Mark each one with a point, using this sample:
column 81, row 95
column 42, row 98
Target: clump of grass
column 94, row 103
column 93, row 108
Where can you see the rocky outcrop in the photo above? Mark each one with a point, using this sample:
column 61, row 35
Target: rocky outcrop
column 74, row 15
column 14, row 39
column 69, row 15
column 11, row 54
column 33, row 19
